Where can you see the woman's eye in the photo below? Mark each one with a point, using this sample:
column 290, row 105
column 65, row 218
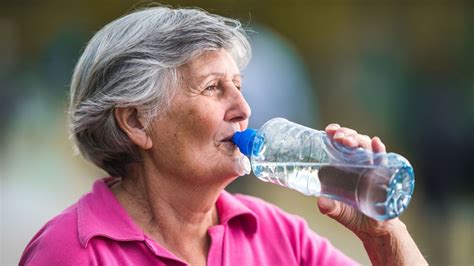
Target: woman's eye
column 210, row 90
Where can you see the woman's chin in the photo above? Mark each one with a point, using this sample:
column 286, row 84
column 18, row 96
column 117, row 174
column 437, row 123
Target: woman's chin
column 239, row 166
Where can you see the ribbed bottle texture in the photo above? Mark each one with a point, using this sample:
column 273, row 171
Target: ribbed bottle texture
column 378, row 184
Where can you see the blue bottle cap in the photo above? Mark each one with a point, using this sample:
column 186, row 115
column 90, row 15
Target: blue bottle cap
column 249, row 141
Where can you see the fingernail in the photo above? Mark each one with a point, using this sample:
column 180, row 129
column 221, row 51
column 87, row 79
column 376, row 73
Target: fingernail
column 325, row 205
column 333, row 127
column 339, row 135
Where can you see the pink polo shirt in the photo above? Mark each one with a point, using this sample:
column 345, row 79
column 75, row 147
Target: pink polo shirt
column 98, row 231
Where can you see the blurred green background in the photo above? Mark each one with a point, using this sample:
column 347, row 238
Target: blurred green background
column 402, row 70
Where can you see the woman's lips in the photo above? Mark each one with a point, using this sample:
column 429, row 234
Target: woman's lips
column 229, row 145
column 228, row 138
column 229, row 142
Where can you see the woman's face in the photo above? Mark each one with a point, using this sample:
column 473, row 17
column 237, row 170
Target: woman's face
column 192, row 139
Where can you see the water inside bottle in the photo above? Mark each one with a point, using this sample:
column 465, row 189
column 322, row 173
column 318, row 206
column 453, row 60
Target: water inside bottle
column 302, row 177
column 364, row 186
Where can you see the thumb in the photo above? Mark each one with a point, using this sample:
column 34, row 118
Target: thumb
column 340, row 212
column 326, row 205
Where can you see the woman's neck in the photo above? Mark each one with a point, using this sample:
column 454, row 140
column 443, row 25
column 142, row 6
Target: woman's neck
column 175, row 215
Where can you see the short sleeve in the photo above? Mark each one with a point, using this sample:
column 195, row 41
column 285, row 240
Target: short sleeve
column 317, row 250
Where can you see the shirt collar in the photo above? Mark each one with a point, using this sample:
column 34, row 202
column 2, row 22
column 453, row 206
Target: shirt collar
column 99, row 213
column 232, row 209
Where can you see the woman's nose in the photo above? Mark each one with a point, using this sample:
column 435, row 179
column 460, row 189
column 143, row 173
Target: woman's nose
column 239, row 109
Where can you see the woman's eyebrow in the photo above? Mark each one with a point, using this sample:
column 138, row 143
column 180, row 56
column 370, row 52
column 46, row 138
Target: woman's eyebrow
column 219, row 74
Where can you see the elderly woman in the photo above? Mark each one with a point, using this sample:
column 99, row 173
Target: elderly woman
column 155, row 99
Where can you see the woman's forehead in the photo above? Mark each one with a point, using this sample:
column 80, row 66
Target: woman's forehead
column 216, row 63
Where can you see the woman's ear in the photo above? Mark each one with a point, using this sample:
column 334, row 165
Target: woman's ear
column 130, row 122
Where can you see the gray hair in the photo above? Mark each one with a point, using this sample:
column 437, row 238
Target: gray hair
column 133, row 62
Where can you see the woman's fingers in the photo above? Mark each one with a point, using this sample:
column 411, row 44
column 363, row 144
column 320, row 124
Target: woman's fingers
column 380, row 157
column 331, row 128
column 364, row 141
column 377, row 145
column 344, row 214
column 351, row 138
column 344, row 132
column 346, row 136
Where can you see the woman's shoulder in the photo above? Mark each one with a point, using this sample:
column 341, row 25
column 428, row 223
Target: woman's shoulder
column 56, row 242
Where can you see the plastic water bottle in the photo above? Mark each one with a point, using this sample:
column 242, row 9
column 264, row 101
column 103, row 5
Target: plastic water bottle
column 380, row 185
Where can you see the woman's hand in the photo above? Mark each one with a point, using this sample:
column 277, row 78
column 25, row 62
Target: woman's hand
column 354, row 220
column 387, row 242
